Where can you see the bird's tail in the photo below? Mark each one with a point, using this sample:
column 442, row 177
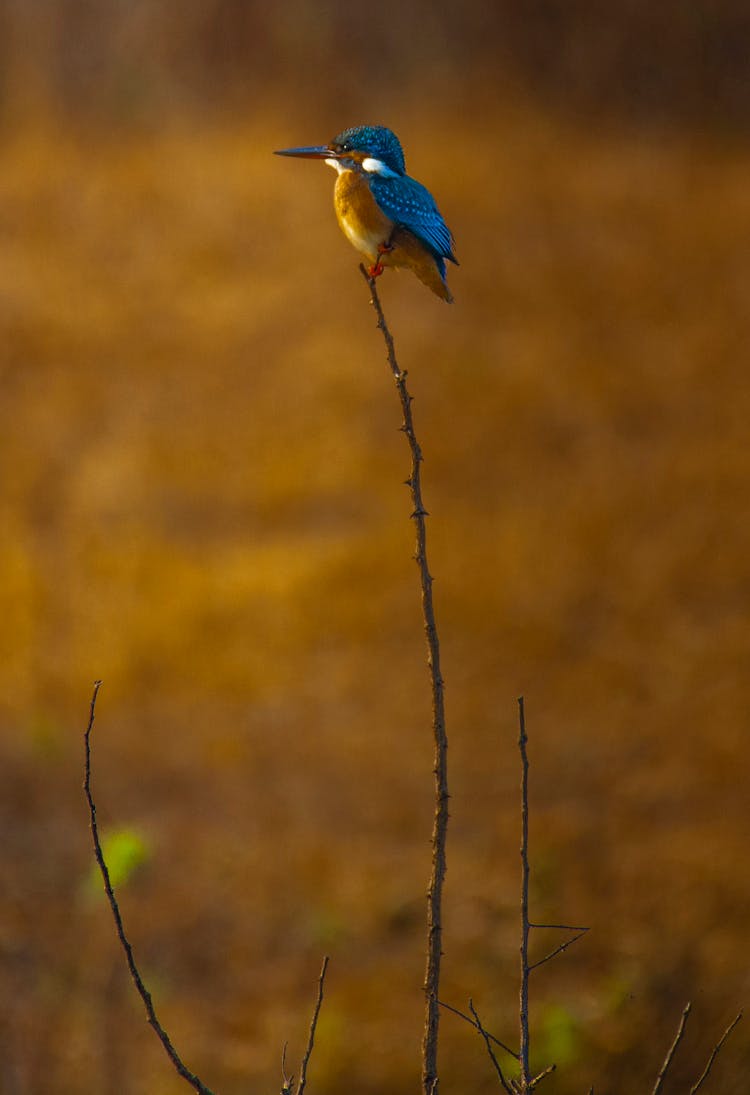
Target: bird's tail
column 408, row 251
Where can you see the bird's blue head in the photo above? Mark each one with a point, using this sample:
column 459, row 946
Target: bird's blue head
column 371, row 148
column 375, row 142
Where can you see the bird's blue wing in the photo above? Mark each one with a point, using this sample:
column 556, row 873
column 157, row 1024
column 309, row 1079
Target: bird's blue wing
column 409, row 204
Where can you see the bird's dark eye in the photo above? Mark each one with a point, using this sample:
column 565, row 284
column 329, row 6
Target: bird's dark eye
column 345, row 146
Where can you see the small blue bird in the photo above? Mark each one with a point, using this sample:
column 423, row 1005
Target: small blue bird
column 389, row 217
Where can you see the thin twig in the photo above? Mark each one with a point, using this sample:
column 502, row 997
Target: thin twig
column 714, row 1053
column 542, row 1075
column 672, row 1050
column 467, row 1018
column 525, row 969
column 145, row 995
column 313, row 1025
column 440, row 768
column 560, row 927
column 558, row 950
column 287, row 1082
column 490, row 1051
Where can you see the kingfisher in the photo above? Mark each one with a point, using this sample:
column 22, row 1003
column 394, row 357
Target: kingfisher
column 386, row 215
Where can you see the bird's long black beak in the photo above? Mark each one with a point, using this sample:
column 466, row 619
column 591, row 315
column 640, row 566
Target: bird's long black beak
column 309, row 152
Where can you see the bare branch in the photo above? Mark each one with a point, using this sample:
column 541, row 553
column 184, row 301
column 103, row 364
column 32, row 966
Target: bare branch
column 714, row 1053
column 558, row 950
column 560, row 927
column 313, row 1025
column 143, row 992
column 525, row 968
column 672, row 1050
column 490, row 1051
column 467, row 1018
column 440, row 767
column 542, row 1075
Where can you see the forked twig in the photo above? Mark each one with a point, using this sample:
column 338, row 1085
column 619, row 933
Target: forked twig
column 143, row 992
column 714, row 1054
column 287, row 1082
column 313, row 1025
column 440, row 823
column 672, row 1050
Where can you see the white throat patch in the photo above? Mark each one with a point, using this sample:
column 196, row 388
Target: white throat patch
column 377, row 167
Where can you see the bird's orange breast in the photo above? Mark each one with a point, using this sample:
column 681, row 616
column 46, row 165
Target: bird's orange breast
column 361, row 219
column 368, row 229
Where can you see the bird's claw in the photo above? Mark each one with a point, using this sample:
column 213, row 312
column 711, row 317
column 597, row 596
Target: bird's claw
column 377, row 268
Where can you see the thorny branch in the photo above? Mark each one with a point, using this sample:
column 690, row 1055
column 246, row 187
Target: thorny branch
column 440, row 823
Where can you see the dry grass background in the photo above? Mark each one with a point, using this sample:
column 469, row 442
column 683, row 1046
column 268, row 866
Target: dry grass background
column 202, row 504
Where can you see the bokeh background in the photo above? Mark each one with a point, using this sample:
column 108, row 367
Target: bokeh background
column 202, row 504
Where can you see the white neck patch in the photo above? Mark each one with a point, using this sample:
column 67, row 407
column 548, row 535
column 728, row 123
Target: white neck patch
column 377, row 167
column 337, row 164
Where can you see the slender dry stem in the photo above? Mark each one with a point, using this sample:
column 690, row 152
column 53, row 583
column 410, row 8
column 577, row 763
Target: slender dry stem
column 714, row 1054
column 440, row 822
column 488, row 1043
column 559, row 949
column 672, row 1050
column 313, row 1025
column 527, row 1082
column 542, row 1075
column 143, row 992
column 525, row 1079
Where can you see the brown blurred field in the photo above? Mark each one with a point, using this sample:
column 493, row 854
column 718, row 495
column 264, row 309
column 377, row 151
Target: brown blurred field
column 202, row 504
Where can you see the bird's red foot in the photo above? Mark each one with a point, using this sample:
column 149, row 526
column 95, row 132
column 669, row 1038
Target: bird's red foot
column 377, row 268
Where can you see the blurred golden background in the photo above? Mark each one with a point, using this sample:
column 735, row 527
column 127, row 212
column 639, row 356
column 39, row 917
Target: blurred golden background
column 202, row 504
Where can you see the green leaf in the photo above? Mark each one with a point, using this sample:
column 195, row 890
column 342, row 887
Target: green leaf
column 124, row 850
